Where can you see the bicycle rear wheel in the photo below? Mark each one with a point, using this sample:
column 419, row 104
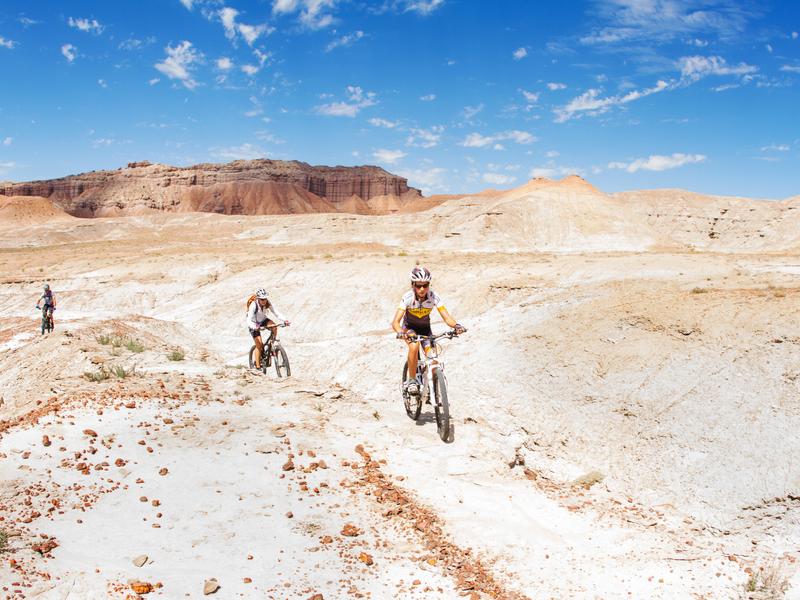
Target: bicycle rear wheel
column 281, row 361
column 441, row 406
column 252, row 360
column 413, row 404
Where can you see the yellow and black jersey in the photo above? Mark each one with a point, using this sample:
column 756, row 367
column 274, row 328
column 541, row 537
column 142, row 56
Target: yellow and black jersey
column 418, row 312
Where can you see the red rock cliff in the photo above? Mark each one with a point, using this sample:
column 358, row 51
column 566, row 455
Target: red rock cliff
column 240, row 187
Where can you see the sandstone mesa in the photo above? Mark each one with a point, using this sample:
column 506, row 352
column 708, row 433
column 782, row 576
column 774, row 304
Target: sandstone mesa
column 251, row 187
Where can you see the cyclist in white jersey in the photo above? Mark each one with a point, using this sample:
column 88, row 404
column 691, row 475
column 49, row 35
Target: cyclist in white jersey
column 257, row 318
column 413, row 317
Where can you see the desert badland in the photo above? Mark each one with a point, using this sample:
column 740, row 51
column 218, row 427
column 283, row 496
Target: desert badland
column 624, row 403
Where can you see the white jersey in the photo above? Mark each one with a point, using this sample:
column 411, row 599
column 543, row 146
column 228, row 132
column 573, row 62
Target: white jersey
column 257, row 315
column 418, row 312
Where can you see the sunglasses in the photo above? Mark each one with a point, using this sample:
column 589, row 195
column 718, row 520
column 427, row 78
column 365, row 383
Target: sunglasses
column 420, row 286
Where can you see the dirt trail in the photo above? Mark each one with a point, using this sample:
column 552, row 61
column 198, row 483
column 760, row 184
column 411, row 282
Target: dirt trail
column 623, row 420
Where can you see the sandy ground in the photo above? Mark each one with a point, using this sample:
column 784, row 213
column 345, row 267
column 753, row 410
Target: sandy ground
column 625, row 404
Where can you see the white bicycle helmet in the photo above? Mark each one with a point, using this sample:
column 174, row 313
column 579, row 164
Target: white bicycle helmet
column 420, row 274
column 261, row 293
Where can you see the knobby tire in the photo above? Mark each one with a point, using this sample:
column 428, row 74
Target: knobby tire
column 441, row 406
column 413, row 404
column 281, row 362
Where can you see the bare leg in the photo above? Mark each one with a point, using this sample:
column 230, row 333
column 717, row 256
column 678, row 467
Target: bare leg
column 413, row 358
column 259, row 351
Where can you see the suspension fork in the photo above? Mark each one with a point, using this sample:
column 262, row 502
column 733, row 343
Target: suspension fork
column 433, row 367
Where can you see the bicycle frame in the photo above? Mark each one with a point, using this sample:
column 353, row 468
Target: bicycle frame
column 429, row 363
column 271, row 340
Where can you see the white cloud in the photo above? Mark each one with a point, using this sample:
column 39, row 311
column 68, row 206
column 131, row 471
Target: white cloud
column 694, row 68
column 431, row 179
column 428, row 98
column 7, row 141
column 520, row 53
column 284, row 6
column 591, row 103
column 357, row 100
column 794, row 35
column 224, row 63
column 69, row 51
column 769, row 48
column 471, row 111
column 699, row 43
column 552, row 154
column 102, row 83
column 476, row 140
column 102, row 142
column 250, row 69
column 790, row 69
column 257, row 108
column 423, row 7
column 4, row 43
column 153, row 81
column 90, row 26
column 228, row 17
column 27, row 21
column 530, row 97
column 556, row 86
column 132, row 44
column 383, row 123
column 5, row 167
column 775, row 148
column 498, row 178
column 266, row 136
column 425, row 138
column 187, row 4
column 388, row 156
column 660, row 21
column 243, row 152
column 261, row 56
column 553, row 170
column 250, row 33
column 658, row 162
column 313, row 13
column 344, row 41
column 178, row 63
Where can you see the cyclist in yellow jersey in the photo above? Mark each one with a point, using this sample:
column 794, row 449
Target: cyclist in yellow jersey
column 413, row 317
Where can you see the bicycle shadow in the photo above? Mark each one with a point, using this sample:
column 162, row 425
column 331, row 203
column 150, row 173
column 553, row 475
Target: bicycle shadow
column 429, row 417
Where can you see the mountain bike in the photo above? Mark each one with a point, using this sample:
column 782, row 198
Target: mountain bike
column 273, row 352
column 430, row 376
column 47, row 318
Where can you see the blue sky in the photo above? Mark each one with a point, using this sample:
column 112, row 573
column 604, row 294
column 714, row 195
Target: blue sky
column 456, row 95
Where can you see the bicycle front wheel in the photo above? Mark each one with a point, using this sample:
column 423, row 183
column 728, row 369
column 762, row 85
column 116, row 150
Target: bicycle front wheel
column 441, row 406
column 413, row 404
column 281, row 362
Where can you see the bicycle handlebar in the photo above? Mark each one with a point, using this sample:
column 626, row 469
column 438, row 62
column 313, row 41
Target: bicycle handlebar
column 275, row 325
column 448, row 334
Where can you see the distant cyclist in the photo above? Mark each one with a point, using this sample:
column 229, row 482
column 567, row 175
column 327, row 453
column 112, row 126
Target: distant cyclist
column 257, row 318
column 47, row 302
column 413, row 317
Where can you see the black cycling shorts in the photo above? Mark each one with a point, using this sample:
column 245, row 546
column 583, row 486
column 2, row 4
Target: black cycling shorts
column 257, row 332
